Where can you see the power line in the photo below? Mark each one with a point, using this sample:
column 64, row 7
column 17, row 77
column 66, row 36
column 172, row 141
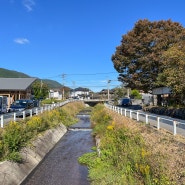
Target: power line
column 80, row 74
column 92, row 73
column 96, row 86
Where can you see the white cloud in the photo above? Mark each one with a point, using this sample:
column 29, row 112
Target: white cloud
column 28, row 4
column 21, row 41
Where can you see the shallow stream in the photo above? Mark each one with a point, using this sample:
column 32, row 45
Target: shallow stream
column 60, row 166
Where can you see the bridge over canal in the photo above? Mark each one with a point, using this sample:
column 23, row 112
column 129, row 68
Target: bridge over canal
column 93, row 102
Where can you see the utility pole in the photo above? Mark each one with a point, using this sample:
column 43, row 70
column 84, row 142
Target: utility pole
column 73, row 89
column 40, row 86
column 108, row 82
column 63, row 77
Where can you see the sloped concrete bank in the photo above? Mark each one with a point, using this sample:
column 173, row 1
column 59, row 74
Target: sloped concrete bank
column 14, row 173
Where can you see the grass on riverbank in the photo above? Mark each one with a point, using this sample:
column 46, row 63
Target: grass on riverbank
column 16, row 135
column 132, row 153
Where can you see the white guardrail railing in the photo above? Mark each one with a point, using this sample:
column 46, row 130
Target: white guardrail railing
column 175, row 126
column 6, row 118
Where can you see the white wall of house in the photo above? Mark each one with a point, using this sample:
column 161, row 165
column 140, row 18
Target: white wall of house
column 78, row 93
column 55, row 94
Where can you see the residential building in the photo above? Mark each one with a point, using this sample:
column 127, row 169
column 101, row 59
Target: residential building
column 55, row 93
column 16, row 88
column 80, row 92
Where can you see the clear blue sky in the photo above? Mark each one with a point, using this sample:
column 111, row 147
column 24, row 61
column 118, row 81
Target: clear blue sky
column 72, row 41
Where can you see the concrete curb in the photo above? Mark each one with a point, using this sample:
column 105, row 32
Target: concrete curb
column 14, row 173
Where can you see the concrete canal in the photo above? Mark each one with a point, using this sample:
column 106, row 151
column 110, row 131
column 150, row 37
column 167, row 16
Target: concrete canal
column 60, row 166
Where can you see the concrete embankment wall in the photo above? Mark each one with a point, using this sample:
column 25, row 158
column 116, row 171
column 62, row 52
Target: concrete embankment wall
column 14, row 173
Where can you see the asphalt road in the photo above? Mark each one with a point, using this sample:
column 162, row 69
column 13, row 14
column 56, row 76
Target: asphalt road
column 165, row 122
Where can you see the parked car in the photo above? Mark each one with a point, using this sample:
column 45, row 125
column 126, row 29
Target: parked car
column 20, row 105
column 126, row 102
column 36, row 102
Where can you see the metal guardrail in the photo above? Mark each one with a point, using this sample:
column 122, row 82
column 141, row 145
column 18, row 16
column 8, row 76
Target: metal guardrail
column 175, row 126
column 6, row 118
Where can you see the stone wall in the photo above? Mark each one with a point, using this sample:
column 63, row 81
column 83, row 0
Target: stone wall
column 172, row 112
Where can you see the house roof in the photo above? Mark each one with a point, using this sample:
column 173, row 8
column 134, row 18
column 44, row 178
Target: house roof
column 15, row 83
column 161, row 90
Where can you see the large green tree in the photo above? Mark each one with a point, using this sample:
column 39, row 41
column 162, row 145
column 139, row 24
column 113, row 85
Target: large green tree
column 40, row 89
column 173, row 75
column 138, row 58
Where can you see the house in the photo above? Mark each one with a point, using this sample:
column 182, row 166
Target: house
column 55, row 93
column 16, row 88
column 106, row 93
column 162, row 94
column 80, row 92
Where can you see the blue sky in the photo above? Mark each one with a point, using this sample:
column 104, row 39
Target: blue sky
column 72, row 41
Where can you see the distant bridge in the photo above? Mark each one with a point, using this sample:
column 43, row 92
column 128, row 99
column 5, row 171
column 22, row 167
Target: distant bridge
column 93, row 102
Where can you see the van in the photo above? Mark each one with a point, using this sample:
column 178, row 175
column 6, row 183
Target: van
column 126, row 102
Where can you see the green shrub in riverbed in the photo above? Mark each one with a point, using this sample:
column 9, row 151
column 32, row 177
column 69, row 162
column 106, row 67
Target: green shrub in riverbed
column 16, row 135
column 123, row 159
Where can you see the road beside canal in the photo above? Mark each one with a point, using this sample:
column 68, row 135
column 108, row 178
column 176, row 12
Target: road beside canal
column 60, row 166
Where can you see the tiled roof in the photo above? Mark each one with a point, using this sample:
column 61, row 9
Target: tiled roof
column 15, row 83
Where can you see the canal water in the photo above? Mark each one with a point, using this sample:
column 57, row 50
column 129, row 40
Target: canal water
column 60, row 166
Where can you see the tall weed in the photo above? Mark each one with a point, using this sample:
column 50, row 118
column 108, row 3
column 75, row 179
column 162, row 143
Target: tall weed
column 16, row 135
column 123, row 158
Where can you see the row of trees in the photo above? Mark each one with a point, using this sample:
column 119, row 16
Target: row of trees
column 152, row 55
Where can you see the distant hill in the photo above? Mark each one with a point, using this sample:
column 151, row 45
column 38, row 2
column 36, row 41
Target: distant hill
column 5, row 73
column 52, row 83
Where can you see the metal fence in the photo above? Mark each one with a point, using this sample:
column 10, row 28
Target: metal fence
column 175, row 126
column 6, row 118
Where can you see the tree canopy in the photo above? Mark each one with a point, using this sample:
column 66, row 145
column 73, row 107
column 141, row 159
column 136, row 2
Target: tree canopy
column 40, row 89
column 173, row 75
column 138, row 59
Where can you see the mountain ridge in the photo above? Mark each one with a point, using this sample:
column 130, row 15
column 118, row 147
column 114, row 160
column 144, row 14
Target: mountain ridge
column 6, row 73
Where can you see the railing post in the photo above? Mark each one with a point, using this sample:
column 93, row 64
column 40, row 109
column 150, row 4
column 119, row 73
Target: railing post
column 174, row 128
column 158, row 123
column 36, row 111
column 30, row 112
column 2, row 121
column 137, row 116
column 23, row 115
column 130, row 114
column 146, row 118
column 14, row 116
column 125, row 112
column 41, row 109
column 121, row 111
